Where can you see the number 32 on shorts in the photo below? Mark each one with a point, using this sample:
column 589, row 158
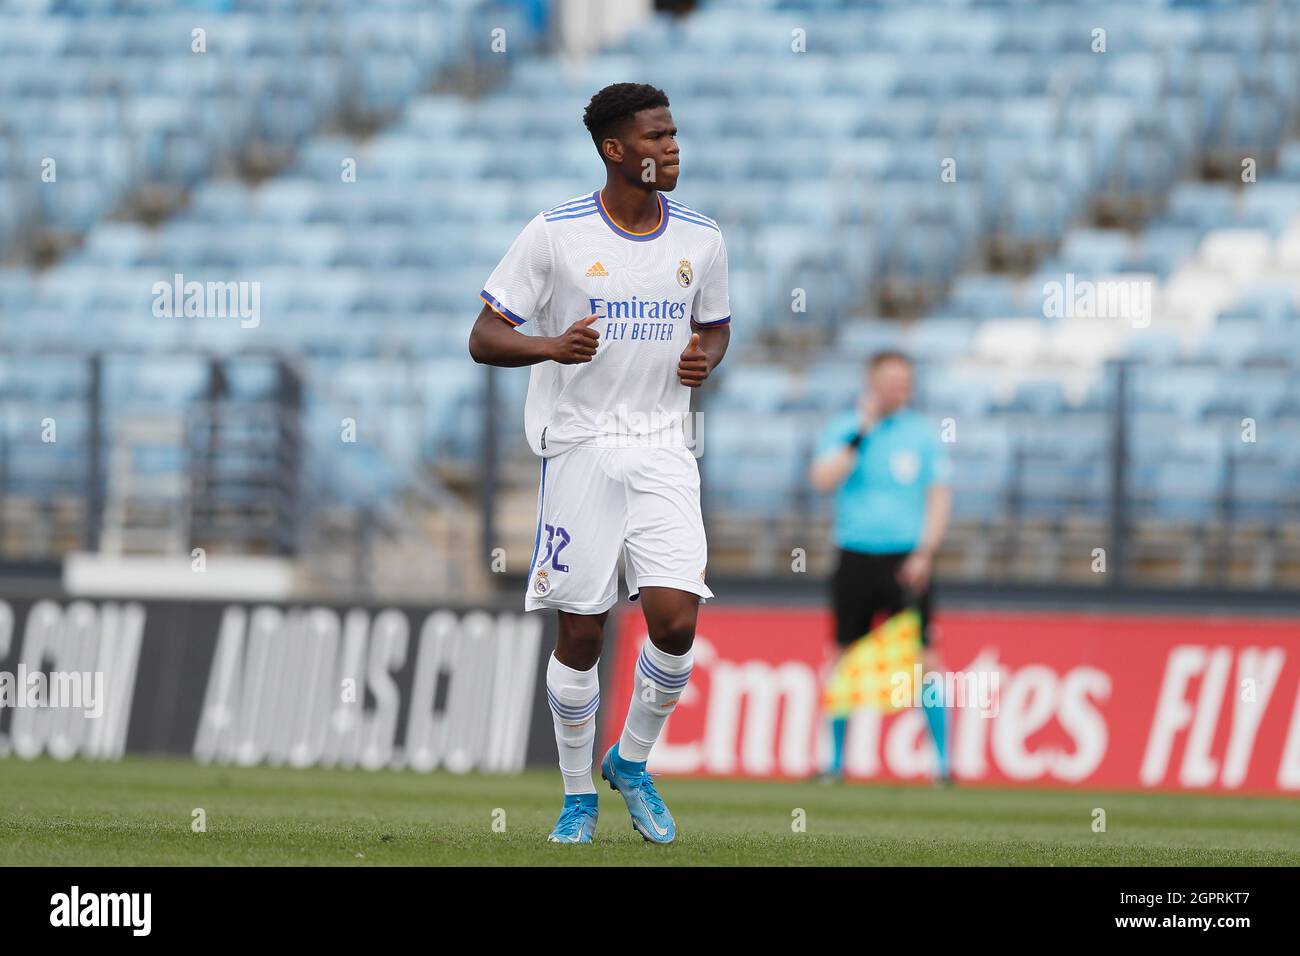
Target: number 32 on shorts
column 552, row 533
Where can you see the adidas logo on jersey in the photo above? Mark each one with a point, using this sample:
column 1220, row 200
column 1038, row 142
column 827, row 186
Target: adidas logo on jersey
column 596, row 270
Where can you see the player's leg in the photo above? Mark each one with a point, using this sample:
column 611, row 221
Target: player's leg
column 574, row 570
column 573, row 692
column 666, row 554
column 935, row 710
column 936, row 714
column 853, row 605
column 663, row 668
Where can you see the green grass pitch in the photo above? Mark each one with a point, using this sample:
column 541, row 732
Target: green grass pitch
column 139, row 812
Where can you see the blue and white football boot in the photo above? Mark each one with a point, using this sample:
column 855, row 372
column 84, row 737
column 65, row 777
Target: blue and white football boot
column 577, row 822
column 650, row 817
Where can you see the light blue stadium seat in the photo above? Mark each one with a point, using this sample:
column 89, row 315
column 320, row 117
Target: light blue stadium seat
column 1288, row 161
column 1092, row 251
column 939, row 338
column 1186, row 490
column 831, row 384
column 860, row 338
column 965, row 394
column 821, row 167
column 755, row 462
column 1263, row 488
column 1231, row 343
column 762, row 389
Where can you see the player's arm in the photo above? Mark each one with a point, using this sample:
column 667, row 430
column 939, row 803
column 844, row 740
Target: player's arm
column 493, row 341
column 829, row 470
column 710, row 324
column 699, row 358
column 915, row 572
column 937, row 474
column 938, row 509
column 520, row 287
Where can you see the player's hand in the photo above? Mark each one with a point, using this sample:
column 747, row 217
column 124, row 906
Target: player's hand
column 693, row 366
column 868, row 412
column 914, row 574
column 576, row 344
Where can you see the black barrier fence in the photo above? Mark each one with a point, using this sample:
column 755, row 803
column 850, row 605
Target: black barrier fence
column 126, row 452
column 1138, row 474
column 1145, row 474
column 419, row 688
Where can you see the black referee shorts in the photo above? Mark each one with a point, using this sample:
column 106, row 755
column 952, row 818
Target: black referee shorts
column 865, row 591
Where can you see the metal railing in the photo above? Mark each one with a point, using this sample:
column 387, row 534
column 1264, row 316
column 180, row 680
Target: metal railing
column 1110, row 506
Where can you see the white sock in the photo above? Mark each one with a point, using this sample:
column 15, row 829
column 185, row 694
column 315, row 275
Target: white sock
column 660, row 680
column 574, row 697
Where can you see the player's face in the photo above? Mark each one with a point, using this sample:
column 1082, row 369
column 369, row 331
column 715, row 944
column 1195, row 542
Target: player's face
column 652, row 136
column 891, row 383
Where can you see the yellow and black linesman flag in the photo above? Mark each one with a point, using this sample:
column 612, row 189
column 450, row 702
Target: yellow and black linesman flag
column 863, row 677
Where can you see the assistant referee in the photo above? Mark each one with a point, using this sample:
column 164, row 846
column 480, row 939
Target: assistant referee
column 891, row 479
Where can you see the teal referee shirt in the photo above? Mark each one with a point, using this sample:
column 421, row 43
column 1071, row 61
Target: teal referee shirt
column 880, row 507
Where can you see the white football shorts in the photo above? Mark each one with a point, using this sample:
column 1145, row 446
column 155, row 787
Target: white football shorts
column 597, row 503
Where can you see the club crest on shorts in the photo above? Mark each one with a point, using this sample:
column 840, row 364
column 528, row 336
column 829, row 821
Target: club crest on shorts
column 684, row 274
column 542, row 584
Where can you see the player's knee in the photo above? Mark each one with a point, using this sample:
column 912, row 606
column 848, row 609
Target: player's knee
column 581, row 653
column 674, row 635
column 579, row 643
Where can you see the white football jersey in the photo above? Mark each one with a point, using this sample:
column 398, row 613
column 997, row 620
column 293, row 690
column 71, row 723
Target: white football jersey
column 574, row 261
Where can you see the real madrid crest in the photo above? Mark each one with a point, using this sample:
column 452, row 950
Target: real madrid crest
column 684, row 274
column 541, row 585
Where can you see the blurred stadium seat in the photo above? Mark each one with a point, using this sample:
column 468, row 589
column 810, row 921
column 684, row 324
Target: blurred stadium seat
column 827, row 170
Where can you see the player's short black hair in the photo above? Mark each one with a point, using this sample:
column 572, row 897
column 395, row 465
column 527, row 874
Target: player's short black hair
column 887, row 355
column 616, row 104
